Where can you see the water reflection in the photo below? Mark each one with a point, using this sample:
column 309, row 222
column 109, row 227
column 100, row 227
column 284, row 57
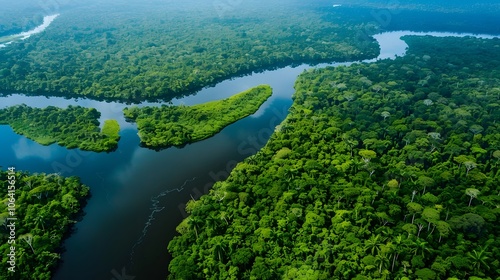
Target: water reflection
column 25, row 148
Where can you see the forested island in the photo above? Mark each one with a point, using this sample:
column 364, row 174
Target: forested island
column 73, row 127
column 46, row 206
column 387, row 170
column 167, row 126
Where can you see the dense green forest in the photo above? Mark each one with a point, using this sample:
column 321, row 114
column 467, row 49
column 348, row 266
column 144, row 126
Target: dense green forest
column 46, row 206
column 387, row 170
column 164, row 50
column 73, row 127
column 166, row 126
column 457, row 6
column 20, row 16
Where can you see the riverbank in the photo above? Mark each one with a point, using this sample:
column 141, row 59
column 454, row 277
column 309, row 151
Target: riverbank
column 47, row 20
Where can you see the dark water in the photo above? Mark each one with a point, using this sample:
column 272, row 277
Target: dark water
column 138, row 194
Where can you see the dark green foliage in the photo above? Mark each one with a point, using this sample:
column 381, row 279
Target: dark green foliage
column 381, row 171
column 46, row 206
column 164, row 50
column 73, row 127
column 177, row 125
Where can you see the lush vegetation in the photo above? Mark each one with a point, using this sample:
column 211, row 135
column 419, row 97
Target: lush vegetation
column 387, row 170
column 177, row 125
column 46, row 206
column 19, row 16
column 164, row 50
column 73, row 127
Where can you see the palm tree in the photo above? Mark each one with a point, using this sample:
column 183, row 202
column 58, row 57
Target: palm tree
column 290, row 174
column 211, row 223
column 39, row 221
column 219, row 249
column 223, row 216
column 479, row 258
column 373, row 244
column 398, row 248
column 195, row 223
column 420, row 246
column 252, row 159
column 382, row 261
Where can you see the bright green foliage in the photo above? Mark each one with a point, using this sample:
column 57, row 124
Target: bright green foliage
column 73, row 127
column 329, row 208
column 111, row 129
column 46, row 206
column 177, row 125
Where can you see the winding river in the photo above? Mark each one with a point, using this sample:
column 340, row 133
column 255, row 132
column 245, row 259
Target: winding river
column 138, row 194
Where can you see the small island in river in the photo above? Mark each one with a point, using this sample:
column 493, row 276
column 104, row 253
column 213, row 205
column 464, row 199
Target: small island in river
column 73, row 127
column 178, row 125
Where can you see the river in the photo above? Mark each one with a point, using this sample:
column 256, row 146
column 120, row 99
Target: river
column 138, row 194
column 47, row 20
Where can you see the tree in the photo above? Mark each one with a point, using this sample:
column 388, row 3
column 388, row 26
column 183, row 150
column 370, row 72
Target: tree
column 219, row 248
column 39, row 220
column 367, row 155
column 195, row 223
column 260, row 269
column 476, row 129
column 435, row 135
column 28, row 238
column 385, row 114
column 473, row 193
column 469, row 165
column 426, row 274
column 399, row 242
column 414, row 209
column 431, row 215
column 479, row 258
column 425, row 182
column 496, row 154
column 420, row 247
column 461, row 159
column 373, row 244
column 443, row 229
column 382, row 260
column 411, row 229
column 468, row 223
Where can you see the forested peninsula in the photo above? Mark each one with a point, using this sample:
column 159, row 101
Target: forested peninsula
column 166, row 126
column 45, row 208
column 73, row 127
column 387, row 170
